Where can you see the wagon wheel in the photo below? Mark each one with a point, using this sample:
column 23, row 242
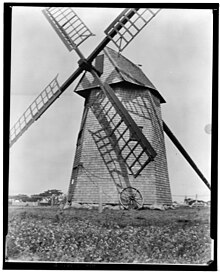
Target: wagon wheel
column 131, row 198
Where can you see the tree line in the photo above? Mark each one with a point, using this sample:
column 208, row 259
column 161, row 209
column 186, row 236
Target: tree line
column 48, row 195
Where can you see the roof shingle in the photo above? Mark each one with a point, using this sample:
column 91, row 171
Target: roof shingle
column 117, row 68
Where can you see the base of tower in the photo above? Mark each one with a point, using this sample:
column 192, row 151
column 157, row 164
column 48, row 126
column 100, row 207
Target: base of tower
column 154, row 206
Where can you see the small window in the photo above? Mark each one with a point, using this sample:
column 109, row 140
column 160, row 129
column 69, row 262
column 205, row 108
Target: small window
column 132, row 136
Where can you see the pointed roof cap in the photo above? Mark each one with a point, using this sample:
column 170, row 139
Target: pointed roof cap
column 117, row 68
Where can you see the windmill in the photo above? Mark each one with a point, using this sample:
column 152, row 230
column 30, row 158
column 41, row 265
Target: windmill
column 73, row 32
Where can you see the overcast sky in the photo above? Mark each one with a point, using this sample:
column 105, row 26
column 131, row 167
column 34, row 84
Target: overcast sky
column 175, row 51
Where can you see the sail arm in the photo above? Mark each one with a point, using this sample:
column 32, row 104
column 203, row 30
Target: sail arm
column 35, row 110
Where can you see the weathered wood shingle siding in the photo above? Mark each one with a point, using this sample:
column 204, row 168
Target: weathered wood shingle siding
column 153, row 182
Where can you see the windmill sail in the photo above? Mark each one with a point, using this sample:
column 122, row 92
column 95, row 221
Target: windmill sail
column 122, row 127
column 124, row 29
column 72, row 36
column 123, row 133
column 68, row 26
column 35, row 110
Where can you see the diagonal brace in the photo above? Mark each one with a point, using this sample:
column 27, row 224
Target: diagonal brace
column 185, row 154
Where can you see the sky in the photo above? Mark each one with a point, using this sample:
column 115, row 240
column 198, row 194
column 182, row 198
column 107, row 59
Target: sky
column 175, row 51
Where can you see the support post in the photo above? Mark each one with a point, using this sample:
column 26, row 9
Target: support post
column 184, row 153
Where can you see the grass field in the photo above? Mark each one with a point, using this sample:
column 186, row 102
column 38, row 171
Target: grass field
column 179, row 236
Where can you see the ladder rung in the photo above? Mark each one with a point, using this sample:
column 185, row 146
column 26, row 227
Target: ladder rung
column 69, row 13
column 119, row 123
column 121, row 136
column 108, row 162
column 131, row 152
column 102, row 119
column 67, row 22
column 99, row 132
column 71, row 25
column 137, row 158
column 142, row 167
column 101, row 139
column 135, row 161
column 124, row 146
column 106, row 113
column 101, row 111
column 132, row 23
column 104, row 145
column 107, row 152
column 115, row 114
column 127, row 30
column 76, row 31
column 105, row 103
column 52, row 13
column 117, row 19
column 82, row 33
column 75, row 34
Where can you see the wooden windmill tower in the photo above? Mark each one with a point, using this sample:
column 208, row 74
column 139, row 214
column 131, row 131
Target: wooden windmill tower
column 120, row 145
column 101, row 161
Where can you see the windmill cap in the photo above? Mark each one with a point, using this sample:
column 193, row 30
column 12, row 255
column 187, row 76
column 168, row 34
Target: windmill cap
column 117, row 68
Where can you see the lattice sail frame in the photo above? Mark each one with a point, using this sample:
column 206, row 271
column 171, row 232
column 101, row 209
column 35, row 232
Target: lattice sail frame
column 70, row 28
column 136, row 154
column 35, row 110
column 126, row 32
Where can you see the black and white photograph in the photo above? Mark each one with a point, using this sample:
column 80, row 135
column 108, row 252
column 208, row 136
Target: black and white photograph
column 110, row 144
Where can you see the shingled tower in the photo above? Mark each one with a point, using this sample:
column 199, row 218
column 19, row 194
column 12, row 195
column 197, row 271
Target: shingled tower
column 97, row 164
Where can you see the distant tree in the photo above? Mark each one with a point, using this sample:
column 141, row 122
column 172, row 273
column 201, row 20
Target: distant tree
column 38, row 197
column 50, row 193
column 35, row 198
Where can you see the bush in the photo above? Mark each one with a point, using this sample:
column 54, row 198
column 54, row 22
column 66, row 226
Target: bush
column 63, row 237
